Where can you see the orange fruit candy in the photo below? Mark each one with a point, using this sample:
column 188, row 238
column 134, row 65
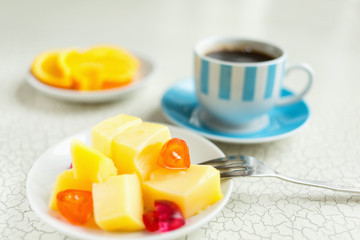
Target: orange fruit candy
column 174, row 154
column 75, row 205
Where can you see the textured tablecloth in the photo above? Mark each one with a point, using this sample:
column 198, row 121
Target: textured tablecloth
column 325, row 34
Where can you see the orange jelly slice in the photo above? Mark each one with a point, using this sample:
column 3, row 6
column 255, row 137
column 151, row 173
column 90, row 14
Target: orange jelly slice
column 46, row 68
column 82, row 69
column 100, row 67
column 119, row 66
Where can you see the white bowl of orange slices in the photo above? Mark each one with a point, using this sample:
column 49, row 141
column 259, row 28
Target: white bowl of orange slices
column 97, row 74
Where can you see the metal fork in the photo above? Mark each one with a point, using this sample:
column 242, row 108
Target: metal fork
column 246, row 166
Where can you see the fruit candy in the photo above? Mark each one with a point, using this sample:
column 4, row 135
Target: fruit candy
column 151, row 221
column 174, row 154
column 75, row 205
column 167, row 216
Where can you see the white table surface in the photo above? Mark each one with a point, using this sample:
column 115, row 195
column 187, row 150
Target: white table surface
column 323, row 33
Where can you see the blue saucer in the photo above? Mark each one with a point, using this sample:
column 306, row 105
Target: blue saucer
column 179, row 104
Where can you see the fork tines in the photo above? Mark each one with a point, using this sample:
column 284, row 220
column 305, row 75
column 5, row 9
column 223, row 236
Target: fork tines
column 231, row 166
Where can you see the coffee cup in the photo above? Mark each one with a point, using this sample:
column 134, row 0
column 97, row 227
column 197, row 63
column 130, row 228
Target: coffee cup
column 238, row 81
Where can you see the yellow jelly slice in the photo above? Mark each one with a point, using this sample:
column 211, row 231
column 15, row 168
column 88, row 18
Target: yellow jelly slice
column 89, row 164
column 98, row 68
column 192, row 189
column 118, row 203
column 101, row 67
column 82, row 68
column 136, row 149
column 66, row 180
column 119, row 66
column 104, row 132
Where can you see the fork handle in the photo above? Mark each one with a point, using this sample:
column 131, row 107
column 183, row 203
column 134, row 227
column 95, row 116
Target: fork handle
column 343, row 187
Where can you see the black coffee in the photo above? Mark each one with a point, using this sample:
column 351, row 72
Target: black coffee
column 240, row 55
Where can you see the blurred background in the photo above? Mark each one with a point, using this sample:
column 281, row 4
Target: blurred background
column 324, row 34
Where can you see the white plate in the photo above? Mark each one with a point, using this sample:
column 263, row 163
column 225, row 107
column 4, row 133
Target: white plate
column 147, row 68
column 43, row 173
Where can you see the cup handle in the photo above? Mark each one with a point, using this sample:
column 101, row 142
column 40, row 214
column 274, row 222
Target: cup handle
column 282, row 101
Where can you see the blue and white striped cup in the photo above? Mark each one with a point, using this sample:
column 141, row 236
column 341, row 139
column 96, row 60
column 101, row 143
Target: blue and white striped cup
column 238, row 93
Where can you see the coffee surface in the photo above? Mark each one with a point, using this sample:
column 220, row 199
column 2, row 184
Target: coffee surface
column 240, row 56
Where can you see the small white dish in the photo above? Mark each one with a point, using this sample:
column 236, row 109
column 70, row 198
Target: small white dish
column 147, row 69
column 56, row 159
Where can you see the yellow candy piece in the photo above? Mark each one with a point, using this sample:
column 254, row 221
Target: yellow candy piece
column 104, row 132
column 136, row 149
column 89, row 164
column 192, row 189
column 118, row 203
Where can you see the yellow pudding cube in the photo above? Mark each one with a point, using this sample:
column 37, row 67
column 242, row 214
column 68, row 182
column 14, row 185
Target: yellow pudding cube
column 66, row 180
column 192, row 189
column 89, row 164
column 136, row 149
column 104, row 132
column 118, row 203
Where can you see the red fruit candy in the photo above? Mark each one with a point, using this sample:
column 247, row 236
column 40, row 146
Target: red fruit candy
column 151, row 221
column 174, row 154
column 166, row 217
column 169, row 215
column 75, row 205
